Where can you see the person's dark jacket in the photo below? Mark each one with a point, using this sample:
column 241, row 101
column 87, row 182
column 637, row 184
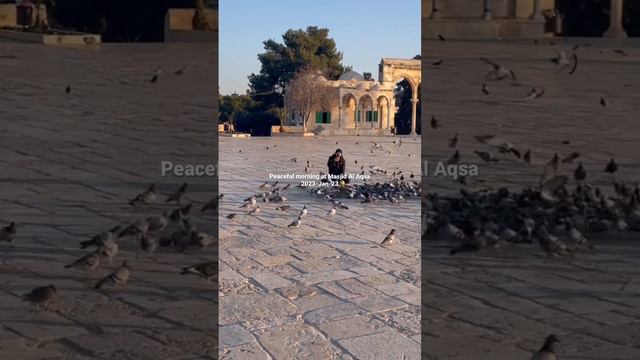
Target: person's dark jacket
column 336, row 167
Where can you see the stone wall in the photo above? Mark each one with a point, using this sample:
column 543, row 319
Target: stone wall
column 473, row 9
column 181, row 19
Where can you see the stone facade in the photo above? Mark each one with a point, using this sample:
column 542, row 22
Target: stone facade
column 355, row 105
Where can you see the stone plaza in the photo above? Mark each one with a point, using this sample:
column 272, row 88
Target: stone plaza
column 70, row 164
column 325, row 290
column 500, row 304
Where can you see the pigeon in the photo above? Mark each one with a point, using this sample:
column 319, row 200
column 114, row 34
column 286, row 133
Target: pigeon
column 441, row 38
column 108, row 249
column 485, row 89
column 283, row 207
column 41, row 295
column 180, row 213
column 554, row 163
column 527, row 157
column 67, row 90
column 453, row 142
column 231, row 216
column 435, row 123
column 603, row 101
column 180, row 71
column 332, row 211
column 621, row 52
column 206, row 270
column 135, row 229
column 390, row 239
column 296, row 223
column 471, row 243
column 569, row 158
column 145, row 198
column 101, row 238
column 148, row 243
column 611, row 167
column 8, row 233
column 250, row 203
column 87, row 262
column 255, row 211
column 547, row 351
column 550, row 244
column 580, row 173
column 534, row 94
column 486, row 156
column 499, row 72
column 177, row 195
column 454, row 159
column 303, row 212
column 437, row 63
column 117, row 277
column 201, row 239
column 485, row 139
column 157, row 223
column 154, row 79
column 211, row 205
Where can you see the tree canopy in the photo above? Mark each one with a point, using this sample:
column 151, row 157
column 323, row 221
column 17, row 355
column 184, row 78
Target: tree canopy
column 309, row 49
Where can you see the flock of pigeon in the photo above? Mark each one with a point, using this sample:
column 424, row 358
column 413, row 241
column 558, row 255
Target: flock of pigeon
column 395, row 189
column 556, row 214
column 171, row 229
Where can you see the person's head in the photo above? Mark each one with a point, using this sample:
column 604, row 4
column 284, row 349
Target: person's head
column 338, row 153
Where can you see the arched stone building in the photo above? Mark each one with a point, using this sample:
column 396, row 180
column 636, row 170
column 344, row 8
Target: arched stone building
column 354, row 105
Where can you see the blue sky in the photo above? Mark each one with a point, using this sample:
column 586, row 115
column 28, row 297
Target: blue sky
column 364, row 30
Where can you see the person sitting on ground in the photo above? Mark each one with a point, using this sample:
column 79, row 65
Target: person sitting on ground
column 336, row 165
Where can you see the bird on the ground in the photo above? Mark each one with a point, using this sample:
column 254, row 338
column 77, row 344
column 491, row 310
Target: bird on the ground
column 434, row 123
column 118, row 277
column 576, row 237
column 157, row 223
column 8, row 233
column 255, row 211
column 87, row 262
column 547, row 351
column 145, row 198
column 580, row 173
column 100, row 238
column 201, row 239
column 611, row 167
column 148, row 243
column 472, row 241
column 486, row 156
column 303, row 212
column 178, row 194
column 485, row 89
column 108, row 249
column 603, row 101
column 332, row 211
column 454, row 159
column 231, row 216
column 211, row 205
column 437, row 63
column 508, row 148
column 41, row 296
column 390, row 239
column 296, row 223
column 283, row 207
column 554, row 163
column 441, row 38
column 180, row 71
column 67, row 90
column 154, row 79
column 534, row 94
column 249, row 203
column 206, row 270
column 485, row 139
column 180, row 213
column 527, row 156
column 550, row 244
column 453, row 142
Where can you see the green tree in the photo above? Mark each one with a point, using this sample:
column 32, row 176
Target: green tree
column 310, row 49
column 231, row 107
column 199, row 20
column 367, row 76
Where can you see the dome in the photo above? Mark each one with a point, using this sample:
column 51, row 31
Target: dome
column 351, row 75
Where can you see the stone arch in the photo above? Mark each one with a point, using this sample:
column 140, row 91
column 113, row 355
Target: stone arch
column 349, row 105
column 384, row 111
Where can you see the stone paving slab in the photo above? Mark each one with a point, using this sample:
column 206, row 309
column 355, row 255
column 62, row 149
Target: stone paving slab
column 324, row 290
column 70, row 164
column 501, row 304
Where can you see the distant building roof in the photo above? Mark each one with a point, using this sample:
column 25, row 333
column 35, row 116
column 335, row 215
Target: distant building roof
column 351, row 75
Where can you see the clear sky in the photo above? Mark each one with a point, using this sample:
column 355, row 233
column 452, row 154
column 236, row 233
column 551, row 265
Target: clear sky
column 364, row 30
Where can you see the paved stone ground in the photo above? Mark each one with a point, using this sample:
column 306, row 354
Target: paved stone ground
column 501, row 304
column 325, row 290
column 69, row 165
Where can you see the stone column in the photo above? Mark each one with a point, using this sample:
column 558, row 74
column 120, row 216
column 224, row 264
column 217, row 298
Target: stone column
column 486, row 11
column 536, row 15
column 388, row 115
column 435, row 12
column 414, row 105
column 615, row 23
column 340, row 115
column 355, row 118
